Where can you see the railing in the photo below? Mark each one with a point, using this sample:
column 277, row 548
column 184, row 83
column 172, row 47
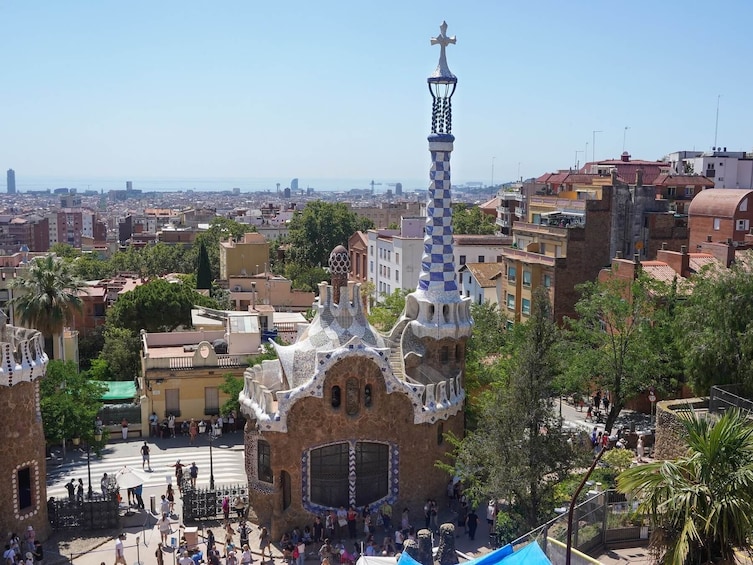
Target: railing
column 602, row 520
column 183, row 363
column 95, row 514
column 725, row 397
column 207, row 503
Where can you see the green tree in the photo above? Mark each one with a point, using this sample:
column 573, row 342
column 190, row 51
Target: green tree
column 65, row 251
column 385, row 314
column 613, row 340
column 314, row 232
column 69, row 402
column 47, row 296
column 232, row 386
column 701, row 503
column 471, row 220
column 157, row 306
column 518, row 452
column 716, row 325
column 304, row 277
column 121, row 353
column 90, row 346
column 203, row 269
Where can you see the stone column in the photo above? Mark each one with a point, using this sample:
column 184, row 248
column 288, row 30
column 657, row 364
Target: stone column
column 425, row 556
column 446, row 554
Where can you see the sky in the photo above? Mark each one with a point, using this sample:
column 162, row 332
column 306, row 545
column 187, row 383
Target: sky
column 332, row 90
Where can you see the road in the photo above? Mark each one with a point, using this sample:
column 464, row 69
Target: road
column 227, row 458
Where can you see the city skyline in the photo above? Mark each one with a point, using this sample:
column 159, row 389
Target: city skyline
column 252, row 91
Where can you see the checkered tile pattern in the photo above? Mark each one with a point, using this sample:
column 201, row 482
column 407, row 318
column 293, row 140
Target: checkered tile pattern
column 437, row 262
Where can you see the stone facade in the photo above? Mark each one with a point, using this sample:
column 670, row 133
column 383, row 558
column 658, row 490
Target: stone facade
column 670, row 443
column 23, row 471
column 314, row 422
column 23, row 459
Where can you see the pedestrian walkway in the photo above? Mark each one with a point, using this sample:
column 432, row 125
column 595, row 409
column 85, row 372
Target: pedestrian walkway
column 227, row 461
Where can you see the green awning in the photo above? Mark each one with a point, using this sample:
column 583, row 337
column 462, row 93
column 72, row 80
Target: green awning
column 119, row 390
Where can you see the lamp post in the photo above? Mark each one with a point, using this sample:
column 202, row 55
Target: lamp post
column 202, row 429
column 97, row 437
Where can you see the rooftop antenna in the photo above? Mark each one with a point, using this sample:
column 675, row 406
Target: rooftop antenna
column 716, row 126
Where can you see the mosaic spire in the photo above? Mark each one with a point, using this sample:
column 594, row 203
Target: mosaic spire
column 437, row 262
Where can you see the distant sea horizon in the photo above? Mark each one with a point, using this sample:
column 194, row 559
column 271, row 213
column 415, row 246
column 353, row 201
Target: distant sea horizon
column 217, row 184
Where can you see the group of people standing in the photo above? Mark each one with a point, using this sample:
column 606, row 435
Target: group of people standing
column 26, row 551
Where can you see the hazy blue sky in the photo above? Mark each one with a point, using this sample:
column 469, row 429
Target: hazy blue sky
column 317, row 90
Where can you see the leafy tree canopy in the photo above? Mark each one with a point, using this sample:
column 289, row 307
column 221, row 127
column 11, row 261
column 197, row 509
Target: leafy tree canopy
column 716, row 325
column 49, row 295
column 69, row 402
column 385, row 314
column 614, row 344
column 518, row 452
column 471, row 220
column 120, row 358
column 320, row 227
column 157, row 306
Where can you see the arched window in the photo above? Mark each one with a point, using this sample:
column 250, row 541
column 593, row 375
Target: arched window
column 264, row 461
column 367, row 397
column 335, row 397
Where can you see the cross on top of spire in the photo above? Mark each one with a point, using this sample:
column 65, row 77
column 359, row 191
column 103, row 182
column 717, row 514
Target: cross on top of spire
column 443, row 71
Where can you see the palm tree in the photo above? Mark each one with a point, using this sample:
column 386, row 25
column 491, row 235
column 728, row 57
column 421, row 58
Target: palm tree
column 701, row 503
column 48, row 296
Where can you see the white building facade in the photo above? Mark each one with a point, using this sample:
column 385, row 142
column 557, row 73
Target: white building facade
column 728, row 169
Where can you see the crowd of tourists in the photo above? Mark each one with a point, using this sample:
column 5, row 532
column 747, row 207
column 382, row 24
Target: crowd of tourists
column 26, row 550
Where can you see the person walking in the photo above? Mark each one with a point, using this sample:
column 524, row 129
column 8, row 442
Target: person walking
column 264, row 543
column 145, row 456
column 170, row 494
column 120, row 550
column 639, row 449
column 472, row 524
column 163, row 524
column 158, row 554
column 193, row 472
column 171, row 425
column 124, row 428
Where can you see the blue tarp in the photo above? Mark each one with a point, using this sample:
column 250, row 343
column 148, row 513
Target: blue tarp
column 528, row 555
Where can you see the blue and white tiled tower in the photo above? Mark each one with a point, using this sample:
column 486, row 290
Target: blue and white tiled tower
column 436, row 306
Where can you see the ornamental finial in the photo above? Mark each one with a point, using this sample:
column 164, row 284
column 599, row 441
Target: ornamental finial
column 442, row 70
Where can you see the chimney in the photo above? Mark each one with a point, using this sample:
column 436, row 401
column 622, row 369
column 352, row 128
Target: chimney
column 636, row 258
column 639, row 177
column 618, row 255
column 664, row 245
column 684, row 261
column 614, row 177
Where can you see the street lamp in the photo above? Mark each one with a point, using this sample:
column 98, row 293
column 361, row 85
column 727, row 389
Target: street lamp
column 97, row 438
column 202, row 429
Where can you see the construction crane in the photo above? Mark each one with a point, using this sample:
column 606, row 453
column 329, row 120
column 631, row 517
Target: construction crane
column 373, row 184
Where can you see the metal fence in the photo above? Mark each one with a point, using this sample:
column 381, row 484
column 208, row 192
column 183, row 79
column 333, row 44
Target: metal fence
column 604, row 519
column 96, row 514
column 206, row 503
column 726, row 397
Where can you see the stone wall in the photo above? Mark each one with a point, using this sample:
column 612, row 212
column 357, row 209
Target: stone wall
column 670, row 442
column 23, row 447
column 313, row 422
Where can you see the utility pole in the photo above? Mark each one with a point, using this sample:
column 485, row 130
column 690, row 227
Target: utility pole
column 576, row 158
column 624, row 135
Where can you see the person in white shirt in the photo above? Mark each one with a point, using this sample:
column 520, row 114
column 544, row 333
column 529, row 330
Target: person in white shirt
column 120, row 550
column 185, row 559
column 163, row 524
column 246, row 557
